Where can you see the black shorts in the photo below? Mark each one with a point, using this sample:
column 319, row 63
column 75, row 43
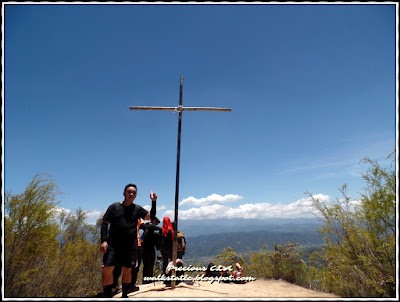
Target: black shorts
column 118, row 256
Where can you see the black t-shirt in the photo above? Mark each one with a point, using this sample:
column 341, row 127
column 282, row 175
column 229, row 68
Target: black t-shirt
column 123, row 224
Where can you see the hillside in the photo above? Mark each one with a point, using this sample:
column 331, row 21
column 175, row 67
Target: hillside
column 206, row 246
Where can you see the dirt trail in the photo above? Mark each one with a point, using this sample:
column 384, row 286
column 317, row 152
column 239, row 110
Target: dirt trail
column 254, row 289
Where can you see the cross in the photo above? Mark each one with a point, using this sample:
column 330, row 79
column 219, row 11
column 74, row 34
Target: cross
column 178, row 109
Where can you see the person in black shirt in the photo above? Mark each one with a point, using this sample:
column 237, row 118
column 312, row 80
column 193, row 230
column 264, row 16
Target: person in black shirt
column 148, row 244
column 135, row 268
column 120, row 245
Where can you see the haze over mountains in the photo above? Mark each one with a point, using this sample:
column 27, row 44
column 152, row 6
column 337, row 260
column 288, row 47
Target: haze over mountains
column 207, row 238
column 193, row 228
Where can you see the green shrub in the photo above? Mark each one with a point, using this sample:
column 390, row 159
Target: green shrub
column 360, row 253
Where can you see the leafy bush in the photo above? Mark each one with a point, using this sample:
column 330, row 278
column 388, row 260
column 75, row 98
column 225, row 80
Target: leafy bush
column 229, row 257
column 30, row 239
column 287, row 264
column 283, row 263
column 44, row 258
column 260, row 264
column 360, row 255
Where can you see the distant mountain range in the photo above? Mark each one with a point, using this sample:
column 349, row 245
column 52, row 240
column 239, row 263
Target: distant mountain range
column 193, row 228
column 207, row 238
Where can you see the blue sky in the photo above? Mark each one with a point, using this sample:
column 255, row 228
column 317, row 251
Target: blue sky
column 312, row 90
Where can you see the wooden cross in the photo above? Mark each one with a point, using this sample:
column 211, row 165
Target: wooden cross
column 178, row 109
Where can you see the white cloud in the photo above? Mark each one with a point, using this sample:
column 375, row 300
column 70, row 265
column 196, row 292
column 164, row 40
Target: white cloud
column 355, row 203
column 92, row 216
column 213, row 198
column 300, row 208
column 169, row 213
column 321, row 197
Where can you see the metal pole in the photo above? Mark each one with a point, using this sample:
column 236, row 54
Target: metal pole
column 175, row 243
column 178, row 157
column 178, row 109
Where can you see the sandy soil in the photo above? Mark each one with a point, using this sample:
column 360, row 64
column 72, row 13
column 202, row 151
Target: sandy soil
column 203, row 289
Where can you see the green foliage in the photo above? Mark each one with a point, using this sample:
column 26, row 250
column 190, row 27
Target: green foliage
column 79, row 259
column 315, row 275
column 35, row 263
column 361, row 240
column 78, row 270
column 287, row 264
column 229, row 257
column 75, row 229
column 30, row 238
column 359, row 255
column 260, row 264
column 284, row 262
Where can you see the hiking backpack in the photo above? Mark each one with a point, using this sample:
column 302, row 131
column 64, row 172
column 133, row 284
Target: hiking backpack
column 159, row 238
column 181, row 241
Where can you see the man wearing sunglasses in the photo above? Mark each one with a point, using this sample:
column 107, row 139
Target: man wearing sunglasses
column 119, row 245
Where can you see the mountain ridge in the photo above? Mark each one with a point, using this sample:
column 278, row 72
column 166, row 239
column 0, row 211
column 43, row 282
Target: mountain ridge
column 193, row 228
column 209, row 245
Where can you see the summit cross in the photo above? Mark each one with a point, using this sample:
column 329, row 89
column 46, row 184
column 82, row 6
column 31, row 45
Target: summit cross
column 179, row 109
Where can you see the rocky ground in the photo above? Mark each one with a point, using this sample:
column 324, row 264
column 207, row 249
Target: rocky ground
column 257, row 289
